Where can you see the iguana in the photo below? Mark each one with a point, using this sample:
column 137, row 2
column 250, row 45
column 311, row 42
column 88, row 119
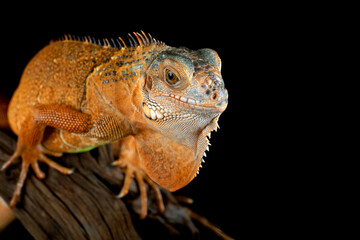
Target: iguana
column 160, row 102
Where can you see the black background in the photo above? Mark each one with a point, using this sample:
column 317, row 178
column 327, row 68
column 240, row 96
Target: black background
column 246, row 185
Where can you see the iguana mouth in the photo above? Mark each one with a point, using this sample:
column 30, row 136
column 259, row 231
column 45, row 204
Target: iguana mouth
column 155, row 111
column 182, row 99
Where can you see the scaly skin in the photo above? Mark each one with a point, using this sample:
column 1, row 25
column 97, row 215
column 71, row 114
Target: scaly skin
column 160, row 100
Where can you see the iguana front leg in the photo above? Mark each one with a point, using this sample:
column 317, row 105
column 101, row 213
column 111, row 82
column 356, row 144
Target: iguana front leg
column 129, row 162
column 31, row 133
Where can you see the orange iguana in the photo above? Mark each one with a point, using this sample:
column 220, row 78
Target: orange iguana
column 160, row 102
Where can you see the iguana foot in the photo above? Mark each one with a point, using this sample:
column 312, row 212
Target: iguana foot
column 130, row 164
column 133, row 172
column 30, row 157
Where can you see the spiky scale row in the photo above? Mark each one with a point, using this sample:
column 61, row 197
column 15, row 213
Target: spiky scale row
column 204, row 154
column 207, row 147
column 141, row 39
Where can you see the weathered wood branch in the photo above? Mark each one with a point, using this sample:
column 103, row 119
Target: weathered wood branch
column 83, row 205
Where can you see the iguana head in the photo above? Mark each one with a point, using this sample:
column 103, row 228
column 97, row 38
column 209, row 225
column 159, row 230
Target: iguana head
column 183, row 96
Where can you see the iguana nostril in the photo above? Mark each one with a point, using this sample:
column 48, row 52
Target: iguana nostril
column 214, row 96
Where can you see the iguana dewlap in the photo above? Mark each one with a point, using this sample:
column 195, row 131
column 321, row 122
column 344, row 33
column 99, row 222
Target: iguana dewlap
column 161, row 101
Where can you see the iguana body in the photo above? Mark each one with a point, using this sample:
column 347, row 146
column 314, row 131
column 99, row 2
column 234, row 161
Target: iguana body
column 160, row 101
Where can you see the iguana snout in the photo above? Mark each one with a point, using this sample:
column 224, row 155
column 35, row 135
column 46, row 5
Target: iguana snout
column 216, row 91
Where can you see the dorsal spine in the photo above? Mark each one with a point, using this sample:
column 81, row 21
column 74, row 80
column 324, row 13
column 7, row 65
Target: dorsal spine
column 134, row 40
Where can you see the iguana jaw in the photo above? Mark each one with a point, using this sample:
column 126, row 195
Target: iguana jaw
column 199, row 122
column 155, row 111
column 169, row 160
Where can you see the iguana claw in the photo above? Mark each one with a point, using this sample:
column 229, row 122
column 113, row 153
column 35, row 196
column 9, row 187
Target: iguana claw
column 30, row 157
column 132, row 172
column 130, row 164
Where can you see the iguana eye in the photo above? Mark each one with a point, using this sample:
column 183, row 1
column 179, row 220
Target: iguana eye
column 171, row 77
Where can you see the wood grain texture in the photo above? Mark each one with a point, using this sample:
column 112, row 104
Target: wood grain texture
column 83, row 205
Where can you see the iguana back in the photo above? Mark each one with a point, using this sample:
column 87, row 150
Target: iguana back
column 56, row 75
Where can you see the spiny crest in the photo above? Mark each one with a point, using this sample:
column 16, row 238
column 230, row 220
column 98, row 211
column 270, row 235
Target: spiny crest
column 134, row 40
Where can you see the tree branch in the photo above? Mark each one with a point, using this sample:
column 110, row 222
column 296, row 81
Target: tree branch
column 83, row 205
